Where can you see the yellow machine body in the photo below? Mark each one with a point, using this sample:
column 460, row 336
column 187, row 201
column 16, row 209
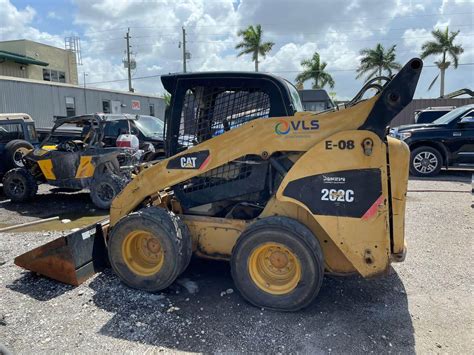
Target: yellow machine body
column 361, row 244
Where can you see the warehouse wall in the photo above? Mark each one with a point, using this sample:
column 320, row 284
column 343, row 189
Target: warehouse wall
column 45, row 101
column 13, row 69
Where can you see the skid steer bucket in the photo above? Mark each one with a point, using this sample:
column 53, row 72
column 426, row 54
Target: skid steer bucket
column 71, row 259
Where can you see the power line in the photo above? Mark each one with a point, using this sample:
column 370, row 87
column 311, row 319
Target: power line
column 230, row 41
column 352, row 40
column 280, row 24
column 275, row 71
column 332, row 21
column 278, row 34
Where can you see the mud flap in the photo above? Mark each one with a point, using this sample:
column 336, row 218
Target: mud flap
column 71, row 259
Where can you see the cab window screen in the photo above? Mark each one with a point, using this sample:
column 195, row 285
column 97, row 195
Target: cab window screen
column 209, row 112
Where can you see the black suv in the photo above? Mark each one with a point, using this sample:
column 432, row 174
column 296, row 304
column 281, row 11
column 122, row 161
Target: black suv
column 446, row 142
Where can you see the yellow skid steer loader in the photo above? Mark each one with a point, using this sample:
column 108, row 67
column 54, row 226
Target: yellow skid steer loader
column 284, row 195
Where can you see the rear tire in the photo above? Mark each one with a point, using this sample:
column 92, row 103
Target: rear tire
column 277, row 263
column 149, row 249
column 15, row 151
column 104, row 188
column 425, row 161
column 19, row 185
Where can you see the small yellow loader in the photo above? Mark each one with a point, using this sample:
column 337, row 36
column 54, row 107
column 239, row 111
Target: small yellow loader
column 284, row 195
column 72, row 165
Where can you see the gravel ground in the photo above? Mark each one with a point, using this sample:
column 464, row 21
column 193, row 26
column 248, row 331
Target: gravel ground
column 425, row 305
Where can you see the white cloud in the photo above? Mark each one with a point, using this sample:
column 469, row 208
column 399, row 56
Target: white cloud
column 408, row 7
column 414, row 38
column 16, row 24
column 53, row 15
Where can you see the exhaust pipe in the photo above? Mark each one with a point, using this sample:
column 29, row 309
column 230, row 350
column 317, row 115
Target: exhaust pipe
column 71, row 259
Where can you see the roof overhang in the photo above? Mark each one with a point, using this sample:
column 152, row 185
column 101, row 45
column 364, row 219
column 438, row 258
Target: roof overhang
column 22, row 59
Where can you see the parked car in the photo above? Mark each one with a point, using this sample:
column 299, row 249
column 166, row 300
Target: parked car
column 148, row 129
column 431, row 114
column 17, row 137
column 447, row 142
column 62, row 134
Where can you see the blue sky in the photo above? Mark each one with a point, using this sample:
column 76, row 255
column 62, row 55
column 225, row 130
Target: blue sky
column 337, row 29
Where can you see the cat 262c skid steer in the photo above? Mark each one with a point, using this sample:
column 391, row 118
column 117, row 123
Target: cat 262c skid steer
column 285, row 195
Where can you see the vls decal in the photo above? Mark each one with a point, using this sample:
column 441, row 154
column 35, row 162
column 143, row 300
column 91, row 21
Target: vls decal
column 284, row 127
column 196, row 160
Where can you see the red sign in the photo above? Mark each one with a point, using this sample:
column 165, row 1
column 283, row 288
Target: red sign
column 136, row 105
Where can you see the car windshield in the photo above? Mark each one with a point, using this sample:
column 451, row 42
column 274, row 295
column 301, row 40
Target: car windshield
column 150, row 126
column 295, row 97
column 447, row 118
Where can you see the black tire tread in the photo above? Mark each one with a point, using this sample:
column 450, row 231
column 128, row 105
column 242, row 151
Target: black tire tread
column 31, row 185
column 299, row 230
column 114, row 179
column 173, row 226
column 184, row 242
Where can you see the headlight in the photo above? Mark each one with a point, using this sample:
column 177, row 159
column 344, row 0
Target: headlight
column 405, row 135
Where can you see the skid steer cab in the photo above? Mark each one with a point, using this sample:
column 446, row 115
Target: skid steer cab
column 284, row 195
column 72, row 165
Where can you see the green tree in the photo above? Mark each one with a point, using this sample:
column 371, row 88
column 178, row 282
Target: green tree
column 252, row 43
column 314, row 70
column 167, row 98
column 376, row 61
column 443, row 44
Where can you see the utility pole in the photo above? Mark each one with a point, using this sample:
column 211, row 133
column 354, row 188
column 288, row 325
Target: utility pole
column 184, row 50
column 129, row 66
column 85, row 93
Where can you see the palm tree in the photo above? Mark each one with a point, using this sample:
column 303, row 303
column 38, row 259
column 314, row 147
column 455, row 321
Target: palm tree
column 167, row 98
column 376, row 61
column 314, row 70
column 442, row 44
column 252, row 43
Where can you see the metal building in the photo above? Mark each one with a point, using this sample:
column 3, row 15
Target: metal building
column 46, row 101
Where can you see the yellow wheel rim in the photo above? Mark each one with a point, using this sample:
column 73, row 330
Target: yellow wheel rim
column 142, row 253
column 274, row 268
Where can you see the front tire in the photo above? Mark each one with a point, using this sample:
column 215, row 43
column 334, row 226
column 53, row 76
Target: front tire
column 149, row 249
column 104, row 189
column 277, row 263
column 19, row 185
column 425, row 161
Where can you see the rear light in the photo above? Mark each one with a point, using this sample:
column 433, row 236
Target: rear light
column 124, row 144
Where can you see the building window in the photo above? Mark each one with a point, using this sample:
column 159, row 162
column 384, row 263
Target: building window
column 152, row 110
column 54, row 75
column 70, row 106
column 47, row 74
column 106, row 106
